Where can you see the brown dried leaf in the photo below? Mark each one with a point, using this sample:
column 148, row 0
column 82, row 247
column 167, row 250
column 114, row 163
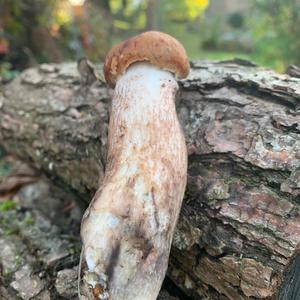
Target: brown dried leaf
column 20, row 175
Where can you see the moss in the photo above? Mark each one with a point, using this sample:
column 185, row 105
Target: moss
column 29, row 220
column 7, row 205
column 11, row 219
column 12, row 230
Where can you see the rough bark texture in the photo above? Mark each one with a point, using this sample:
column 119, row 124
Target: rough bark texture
column 239, row 230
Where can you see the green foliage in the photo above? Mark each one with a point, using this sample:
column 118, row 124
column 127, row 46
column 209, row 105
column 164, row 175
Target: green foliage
column 131, row 14
column 11, row 220
column 7, row 205
column 185, row 10
column 7, row 72
column 29, row 220
column 268, row 34
column 12, row 230
column 276, row 28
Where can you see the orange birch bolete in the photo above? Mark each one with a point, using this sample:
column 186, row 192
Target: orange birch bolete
column 128, row 228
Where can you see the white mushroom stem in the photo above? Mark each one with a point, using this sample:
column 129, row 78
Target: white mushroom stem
column 127, row 229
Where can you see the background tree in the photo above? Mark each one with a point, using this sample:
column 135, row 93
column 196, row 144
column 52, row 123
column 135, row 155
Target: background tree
column 277, row 29
column 28, row 27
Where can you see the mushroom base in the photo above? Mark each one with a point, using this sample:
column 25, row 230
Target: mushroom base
column 127, row 229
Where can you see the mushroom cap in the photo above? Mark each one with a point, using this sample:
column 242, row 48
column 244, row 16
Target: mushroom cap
column 157, row 48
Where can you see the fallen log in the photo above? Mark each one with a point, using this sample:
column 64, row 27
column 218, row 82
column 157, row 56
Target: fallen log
column 239, row 231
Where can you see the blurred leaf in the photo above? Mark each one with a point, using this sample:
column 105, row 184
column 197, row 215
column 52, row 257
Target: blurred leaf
column 121, row 24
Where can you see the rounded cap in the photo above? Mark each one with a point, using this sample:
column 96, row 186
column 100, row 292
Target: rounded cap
column 157, row 48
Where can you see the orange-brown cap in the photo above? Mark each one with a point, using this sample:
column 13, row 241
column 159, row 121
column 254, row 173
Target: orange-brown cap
column 157, row 48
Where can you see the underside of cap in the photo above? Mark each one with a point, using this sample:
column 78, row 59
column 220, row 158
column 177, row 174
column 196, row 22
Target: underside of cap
column 157, row 48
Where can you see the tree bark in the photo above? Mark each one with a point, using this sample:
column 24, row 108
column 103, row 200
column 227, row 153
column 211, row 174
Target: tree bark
column 239, row 231
column 150, row 15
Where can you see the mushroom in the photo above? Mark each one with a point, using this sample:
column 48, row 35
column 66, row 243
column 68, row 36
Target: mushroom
column 128, row 228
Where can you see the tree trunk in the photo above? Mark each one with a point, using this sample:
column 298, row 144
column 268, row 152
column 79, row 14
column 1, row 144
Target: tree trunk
column 239, row 230
column 151, row 15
